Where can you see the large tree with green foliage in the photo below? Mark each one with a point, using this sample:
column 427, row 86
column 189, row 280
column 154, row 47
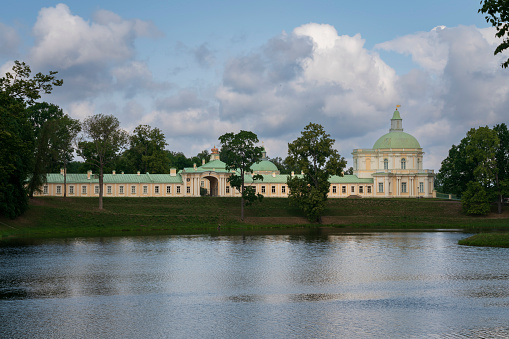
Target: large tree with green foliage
column 104, row 139
column 482, row 158
column 146, row 150
column 53, row 131
column 314, row 154
column 18, row 90
column 497, row 14
column 239, row 153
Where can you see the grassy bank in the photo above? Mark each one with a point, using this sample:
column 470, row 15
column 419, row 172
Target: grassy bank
column 58, row 217
column 487, row 240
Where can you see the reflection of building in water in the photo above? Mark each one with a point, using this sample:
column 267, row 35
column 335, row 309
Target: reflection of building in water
column 392, row 168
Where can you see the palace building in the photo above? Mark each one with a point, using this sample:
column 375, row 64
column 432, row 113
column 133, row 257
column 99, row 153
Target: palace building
column 392, row 168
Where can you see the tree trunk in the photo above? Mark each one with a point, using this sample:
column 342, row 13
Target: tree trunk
column 100, row 187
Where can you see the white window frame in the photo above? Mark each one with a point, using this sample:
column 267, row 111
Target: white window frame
column 421, row 187
column 178, row 189
column 133, row 189
column 334, row 189
column 403, row 187
column 403, row 163
column 145, row 189
column 96, row 189
column 283, row 189
column 156, row 189
column 380, row 187
column 71, row 189
column 121, row 189
column 109, row 189
column 386, row 164
column 83, row 189
column 45, row 189
column 168, row 189
column 59, row 189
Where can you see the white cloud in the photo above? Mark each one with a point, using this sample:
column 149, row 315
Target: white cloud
column 9, row 40
column 65, row 40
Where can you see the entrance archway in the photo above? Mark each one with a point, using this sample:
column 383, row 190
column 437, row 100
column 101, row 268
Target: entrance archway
column 214, row 184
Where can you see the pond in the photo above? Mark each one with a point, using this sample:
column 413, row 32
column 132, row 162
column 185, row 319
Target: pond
column 254, row 286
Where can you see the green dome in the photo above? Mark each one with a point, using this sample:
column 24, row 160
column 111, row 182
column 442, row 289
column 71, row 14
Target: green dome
column 396, row 139
column 264, row 166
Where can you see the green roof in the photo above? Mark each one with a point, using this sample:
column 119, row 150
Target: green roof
column 264, row 165
column 396, row 139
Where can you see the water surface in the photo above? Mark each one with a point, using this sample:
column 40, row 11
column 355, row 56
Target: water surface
column 343, row 285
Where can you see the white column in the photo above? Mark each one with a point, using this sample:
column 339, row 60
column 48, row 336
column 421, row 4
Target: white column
column 426, row 186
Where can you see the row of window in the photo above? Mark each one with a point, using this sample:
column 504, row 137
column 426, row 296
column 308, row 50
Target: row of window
column 109, row 189
column 263, row 190
column 403, row 187
column 403, row 163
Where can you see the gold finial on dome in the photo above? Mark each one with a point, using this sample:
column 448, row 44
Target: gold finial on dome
column 214, row 150
column 397, row 107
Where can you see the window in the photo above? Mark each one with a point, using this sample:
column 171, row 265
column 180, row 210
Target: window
column 96, row 189
column 108, row 189
column 352, row 189
column 403, row 187
column 178, row 189
column 273, row 189
column 380, row 187
column 334, row 189
column 202, row 183
column 263, row 189
column 188, row 190
column 386, row 164
column 45, row 189
column 71, row 189
column 369, row 189
column 168, row 189
column 403, row 163
column 83, row 189
column 188, row 179
column 361, row 189
column 421, row 187
column 59, row 189
column 156, row 190
column 121, row 190
column 283, row 189
column 133, row 189
column 227, row 189
column 343, row 189
column 145, row 189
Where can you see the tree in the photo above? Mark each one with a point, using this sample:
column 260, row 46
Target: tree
column 313, row 153
column 146, row 152
column 497, row 14
column 474, row 200
column 239, row 153
column 106, row 142
column 18, row 90
column 64, row 141
column 349, row 171
column 481, row 157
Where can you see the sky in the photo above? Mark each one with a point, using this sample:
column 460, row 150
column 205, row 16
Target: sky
column 199, row 69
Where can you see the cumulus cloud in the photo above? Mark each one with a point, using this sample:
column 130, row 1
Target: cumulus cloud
column 9, row 41
column 94, row 58
column 311, row 74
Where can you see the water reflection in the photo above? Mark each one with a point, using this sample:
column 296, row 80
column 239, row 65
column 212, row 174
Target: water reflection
column 316, row 285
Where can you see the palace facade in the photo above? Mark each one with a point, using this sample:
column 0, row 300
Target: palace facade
column 392, row 168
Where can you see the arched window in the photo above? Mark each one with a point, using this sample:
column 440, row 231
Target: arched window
column 403, row 163
column 386, row 164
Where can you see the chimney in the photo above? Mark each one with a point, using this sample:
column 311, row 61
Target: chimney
column 203, row 161
column 273, row 174
column 138, row 172
column 293, row 173
column 173, row 172
column 194, row 166
column 122, row 172
column 89, row 174
column 114, row 172
column 301, row 172
column 61, row 171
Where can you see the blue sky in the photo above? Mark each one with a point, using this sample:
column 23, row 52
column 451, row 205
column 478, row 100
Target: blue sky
column 198, row 69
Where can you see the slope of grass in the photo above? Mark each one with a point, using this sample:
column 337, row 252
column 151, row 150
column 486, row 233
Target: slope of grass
column 52, row 216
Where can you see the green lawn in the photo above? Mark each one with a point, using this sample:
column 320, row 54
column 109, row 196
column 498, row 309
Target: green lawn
column 58, row 217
